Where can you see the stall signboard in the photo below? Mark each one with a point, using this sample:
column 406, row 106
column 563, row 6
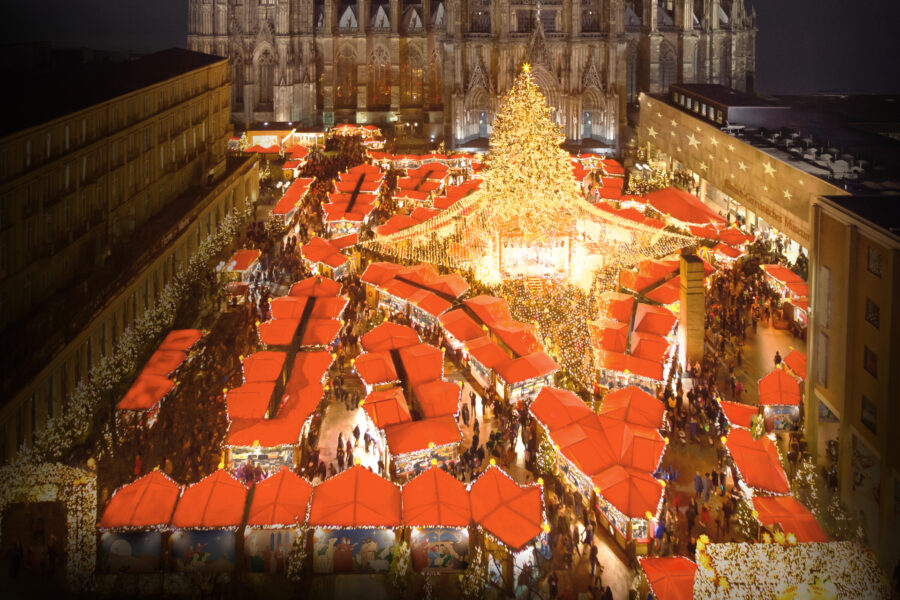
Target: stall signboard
column 269, row 459
column 130, row 552
column 782, row 418
column 264, row 140
column 267, row 550
column 203, row 550
column 439, row 548
column 352, row 550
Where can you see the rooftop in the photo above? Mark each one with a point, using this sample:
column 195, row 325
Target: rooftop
column 719, row 94
column 56, row 88
column 882, row 211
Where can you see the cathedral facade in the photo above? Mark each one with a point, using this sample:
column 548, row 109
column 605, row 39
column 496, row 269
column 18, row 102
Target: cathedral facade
column 444, row 64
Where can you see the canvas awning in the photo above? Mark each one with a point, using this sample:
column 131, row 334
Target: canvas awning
column 146, row 502
column 511, row 513
column 435, row 499
column 633, row 405
column 280, row 500
column 757, row 462
column 215, row 502
column 355, row 498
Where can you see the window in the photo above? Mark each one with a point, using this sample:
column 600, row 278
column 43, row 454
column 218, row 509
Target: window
column 66, row 177
column 873, row 313
column 83, row 168
column 48, row 143
column 27, row 153
column 48, row 397
column 83, row 130
column 870, row 362
column 823, row 300
column 821, row 350
column 869, row 415
column 266, row 66
column 874, row 261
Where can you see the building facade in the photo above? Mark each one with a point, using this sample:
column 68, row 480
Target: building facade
column 104, row 196
column 853, row 371
column 446, row 63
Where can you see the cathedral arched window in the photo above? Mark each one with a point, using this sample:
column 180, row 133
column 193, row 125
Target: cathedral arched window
column 237, row 80
column 266, row 66
column 667, row 67
column 435, row 68
column 380, row 77
column 412, row 78
column 631, row 74
column 481, row 17
column 345, row 79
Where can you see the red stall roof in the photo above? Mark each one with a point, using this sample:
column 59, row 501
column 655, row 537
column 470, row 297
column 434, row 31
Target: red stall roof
column 653, row 319
column 782, row 274
column 667, row 293
column 670, row 578
column 738, row 415
column 287, row 307
column 375, row 367
column 378, row 273
column 280, row 500
column 355, row 498
column 633, row 405
column 537, row 364
column 422, row 362
column 735, row 237
column 650, row 347
column 757, row 462
column 618, row 305
column 320, row 332
column 413, row 436
column 249, row 401
column 791, row 516
column 323, row 251
column 518, row 337
column 242, row 260
column 146, row 392
column 555, row 408
column 329, row 308
column 634, row 493
column 316, row 287
column 438, row 398
column 292, row 195
column 389, row 336
column 511, row 513
column 486, row 352
column 146, row 502
column 779, row 388
column 633, row 445
column 181, row 339
column 308, row 370
column 796, row 362
column 460, row 325
column 435, row 499
column 278, row 332
column 490, row 309
column 610, row 335
column 164, row 362
column 682, row 206
column 387, row 407
column 215, row 502
column 726, row 250
column 263, row 366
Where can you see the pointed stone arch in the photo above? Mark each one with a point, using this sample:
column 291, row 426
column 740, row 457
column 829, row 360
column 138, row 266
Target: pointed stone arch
column 345, row 78
column 549, row 86
column 668, row 66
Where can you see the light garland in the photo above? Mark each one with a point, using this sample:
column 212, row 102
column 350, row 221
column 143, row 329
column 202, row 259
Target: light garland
column 297, row 557
column 77, row 490
column 475, row 578
column 400, row 567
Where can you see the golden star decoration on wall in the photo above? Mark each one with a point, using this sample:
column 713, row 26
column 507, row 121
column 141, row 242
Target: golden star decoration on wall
column 770, row 170
column 693, row 141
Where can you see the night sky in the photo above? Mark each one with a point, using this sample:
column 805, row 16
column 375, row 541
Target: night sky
column 803, row 46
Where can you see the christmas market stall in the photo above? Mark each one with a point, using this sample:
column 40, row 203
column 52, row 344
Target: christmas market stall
column 286, row 207
column 737, row 414
column 306, row 318
column 794, row 294
column 205, row 522
column 437, row 512
column 182, row 340
column 415, row 445
column 325, row 257
column 275, row 519
column 780, row 396
column 240, row 267
column 669, row 577
column 520, row 379
column 633, row 405
column 482, row 355
column 355, row 195
column 417, row 291
column 420, row 185
column 682, row 208
column 757, row 463
column 791, row 517
column 134, row 524
column 630, row 501
column 515, row 534
column 354, row 516
column 459, row 328
column 795, row 361
column 384, row 408
column 389, row 336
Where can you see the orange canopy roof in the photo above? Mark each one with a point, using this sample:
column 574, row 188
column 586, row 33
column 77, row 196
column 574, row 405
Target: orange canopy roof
column 316, row 286
column 355, row 498
column 146, row 502
column 782, row 274
column 422, row 362
column 534, row 365
column 308, row 370
column 518, row 337
column 280, row 500
column 682, row 206
column 164, row 362
column 585, row 446
column 486, row 352
column 667, row 293
column 389, row 336
column 215, row 502
column 278, row 332
column 387, row 407
column 633, row 405
column 511, row 513
column 653, row 319
column 323, row 251
column 757, row 462
column 796, row 362
column 611, row 335
column 648, row 346
column 634, row 493
column 292, row 196
column 555, row 408
column 618, row 305
column 413, row 436
column 738, row 415
column 460, row 325
column 146, row 392
column 242, row 260
column 320, row 332
column 263, row 366
column 490, row 309
column 181, row 339
column 328, row 307
column 779, row 388
column 378, row 273
column 633, row 445
column 438, row 398
column 670, row 578
column 375, row 367
column 288, row 307
column 435, row 499
column 249, row 401
column 791, row 516
column 734, row 236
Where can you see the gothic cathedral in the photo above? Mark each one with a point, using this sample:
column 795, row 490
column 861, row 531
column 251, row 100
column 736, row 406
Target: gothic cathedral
column 445, row 63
